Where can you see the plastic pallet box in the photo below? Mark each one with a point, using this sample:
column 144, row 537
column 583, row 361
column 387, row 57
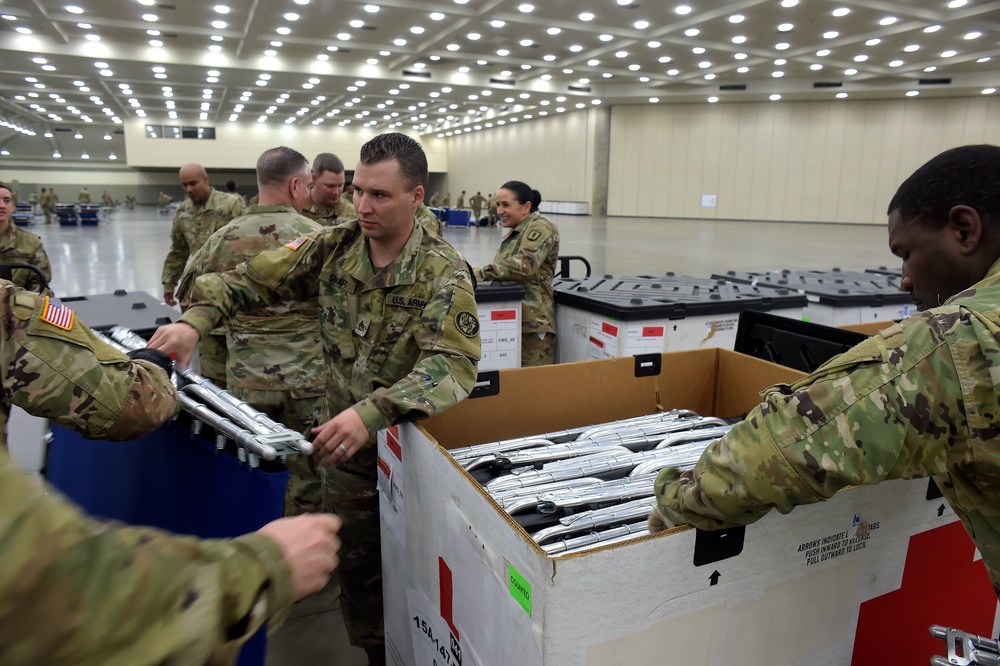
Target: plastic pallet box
column 453, row 217
column 90, row 215
column 607, row 317
column 836, row 297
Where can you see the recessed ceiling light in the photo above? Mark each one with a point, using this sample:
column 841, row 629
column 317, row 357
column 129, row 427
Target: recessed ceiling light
column 785, row 27
column 653, row 44
column 873, row 41
column 775, row 97
column 219, row 25
column 789, row 3
column 973, row 35
column 399, row 41
column 860, row 58
column 780, row 61
column 713, row 100
column 673, row 72
column 823, row 53
column 736, row 18
column 586, row 16
column 654, row 100
column 704, row 64
column 896, row 63
column 473, row 36
column 84, row 26
column 371, row 9
column 575, row 48
column 221, row 9
column 92, row 38
column 841, row 11
column 692, row 32
column 912, row 93
column 216, row 38
column 606, row 37
column 781, row 46
column 276, row 44
column 932, row 28
column 850, row 71
column 73, row 9
column 698, row 50
column 777, row 74
column 831, row 34
column 910, row 48
column 682, row 9
column 417, row 30
column 641, row 25
column 153, row 33
column 503, row 53
column 292, row 16
column 739, row 39
column 984, row 59
column 989, row 91
column 740, row 56
column 815, row 67
column 526, row 42
column 841, row 95
column 888, row 20
column 955, row 4
column 526, row 8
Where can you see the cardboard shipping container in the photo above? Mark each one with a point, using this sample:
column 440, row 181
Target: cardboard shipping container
column 855, row 580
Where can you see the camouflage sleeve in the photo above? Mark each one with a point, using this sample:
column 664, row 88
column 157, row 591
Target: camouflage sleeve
column 77, row 591
column 196, row 267
column 289, row 273
column 445, row 372
column 884, row 410
column 177, row 256
column 522, row 264
column 74, row 379
column 40, row 259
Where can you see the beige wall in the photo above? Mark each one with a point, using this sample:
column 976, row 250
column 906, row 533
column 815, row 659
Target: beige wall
column 554, row 155
column 809, row 161
column 237, row 146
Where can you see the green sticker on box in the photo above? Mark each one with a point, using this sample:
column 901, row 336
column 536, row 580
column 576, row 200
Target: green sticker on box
column 520, row 589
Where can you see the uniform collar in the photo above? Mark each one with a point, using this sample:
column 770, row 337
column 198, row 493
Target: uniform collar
column 208, row 203
column 402, row 271
column 270, row 208
column 8, row 236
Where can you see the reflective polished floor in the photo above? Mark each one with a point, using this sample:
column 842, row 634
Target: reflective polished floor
column 126, row 251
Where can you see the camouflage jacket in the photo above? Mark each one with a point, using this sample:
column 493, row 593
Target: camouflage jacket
column 20, row 246
column 400, row 343
column 528, row 256
column 193, row 224
column 918, row 399
column 476, row 201
column 427, row 219
column 329, row 216
column 78, row 592
column 276, row 347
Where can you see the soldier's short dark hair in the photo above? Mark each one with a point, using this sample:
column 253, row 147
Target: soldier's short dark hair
column 964, row 176
column 522, row 192
column 5, row 186
column 231, row 185
column 327, row 162
column 277, row 165
column 407, row 152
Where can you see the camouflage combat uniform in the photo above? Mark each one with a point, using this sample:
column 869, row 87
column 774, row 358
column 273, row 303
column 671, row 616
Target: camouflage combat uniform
column 918, row 399
column 476, row 202
column 528, row 256
column 20, row 246
column 78, row 592
column 491, row 210
column 329, row 216
column 193, row 224
column 48, row 202
column 84, row 196
column 460, row 201
column 427, row 219
column 401, row 343
column 275, row 355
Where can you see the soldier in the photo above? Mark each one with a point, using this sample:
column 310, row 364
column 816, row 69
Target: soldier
column 347, row 196
column 491, row 210
column 164, row 201
column 434, row 200
column 401, row 336
column 274, row 353
column 447, row 200
column 204, row 211
column 176, row 600
column 476, row 202
column 528, row 256
column 428, row 220
column 233, row 189
column 47, row 201
column 460, row 203
column 20, row 246
column 84, row 196
column 33, row 200
column 918, row 399
column 325, row 204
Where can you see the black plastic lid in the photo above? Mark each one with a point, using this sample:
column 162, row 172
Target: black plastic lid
column 494, row 292
column 835, row 288
column 135, row 310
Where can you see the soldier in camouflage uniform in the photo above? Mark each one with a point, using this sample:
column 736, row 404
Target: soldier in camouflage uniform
column 447, row 200
column 528, row 256
column 325, row 205
column 428, row 220
column 460, row 202
column 400, row 334
column 20, row 246
column 47, row 201
column 491, row 210
column 434, row 200
column 84, row 196
column 476, row 202
column 204, row 211
column 274, row 352
column 161, row 599
column 347, row 196
column 918, row 399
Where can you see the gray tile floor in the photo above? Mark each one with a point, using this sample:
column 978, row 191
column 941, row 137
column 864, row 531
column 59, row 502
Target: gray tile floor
column 127, row 250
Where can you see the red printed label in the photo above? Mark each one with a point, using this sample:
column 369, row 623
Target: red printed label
column 503, row 315
column 652, row 331
column 609, row 329
column 595, row 341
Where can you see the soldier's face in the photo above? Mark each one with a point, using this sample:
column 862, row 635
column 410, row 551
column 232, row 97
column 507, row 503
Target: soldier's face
column 385, row 201
column 934, row 265
column 195, row 185
column 6, row 206
column 511, row 211
column 327, row 188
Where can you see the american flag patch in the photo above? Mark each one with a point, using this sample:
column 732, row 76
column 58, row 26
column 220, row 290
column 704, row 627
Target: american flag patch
column 296, row 244
column 57, row 314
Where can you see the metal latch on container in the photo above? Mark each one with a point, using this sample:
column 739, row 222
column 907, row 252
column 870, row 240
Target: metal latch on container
column 647, row 365
column 487, row 384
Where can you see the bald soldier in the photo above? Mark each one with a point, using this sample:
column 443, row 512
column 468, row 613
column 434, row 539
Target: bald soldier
column 325, row 204
column 401, row 341
column 78, row 592
column 918, row 399
column 204, row 211
column 275, row 357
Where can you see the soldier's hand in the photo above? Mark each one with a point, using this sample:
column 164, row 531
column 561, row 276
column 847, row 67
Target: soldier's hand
column 168, row 297
column 340, row 438
column 659, row 522
column 178, row 339
column 310, row 545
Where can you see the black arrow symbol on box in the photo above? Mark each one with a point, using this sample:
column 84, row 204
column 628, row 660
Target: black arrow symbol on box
column 714, row 578
column 941, row 510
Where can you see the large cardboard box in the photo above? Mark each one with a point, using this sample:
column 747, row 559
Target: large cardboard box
column 855, row 580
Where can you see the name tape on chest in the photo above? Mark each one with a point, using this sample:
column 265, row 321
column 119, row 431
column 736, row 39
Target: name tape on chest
column 297, row 243
column 57, row 314
column 398, row 301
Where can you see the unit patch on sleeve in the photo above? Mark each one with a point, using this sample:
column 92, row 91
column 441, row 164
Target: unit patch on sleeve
column 467, row 323
column 533, row 235
column 57, row 314
column 297, row 243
